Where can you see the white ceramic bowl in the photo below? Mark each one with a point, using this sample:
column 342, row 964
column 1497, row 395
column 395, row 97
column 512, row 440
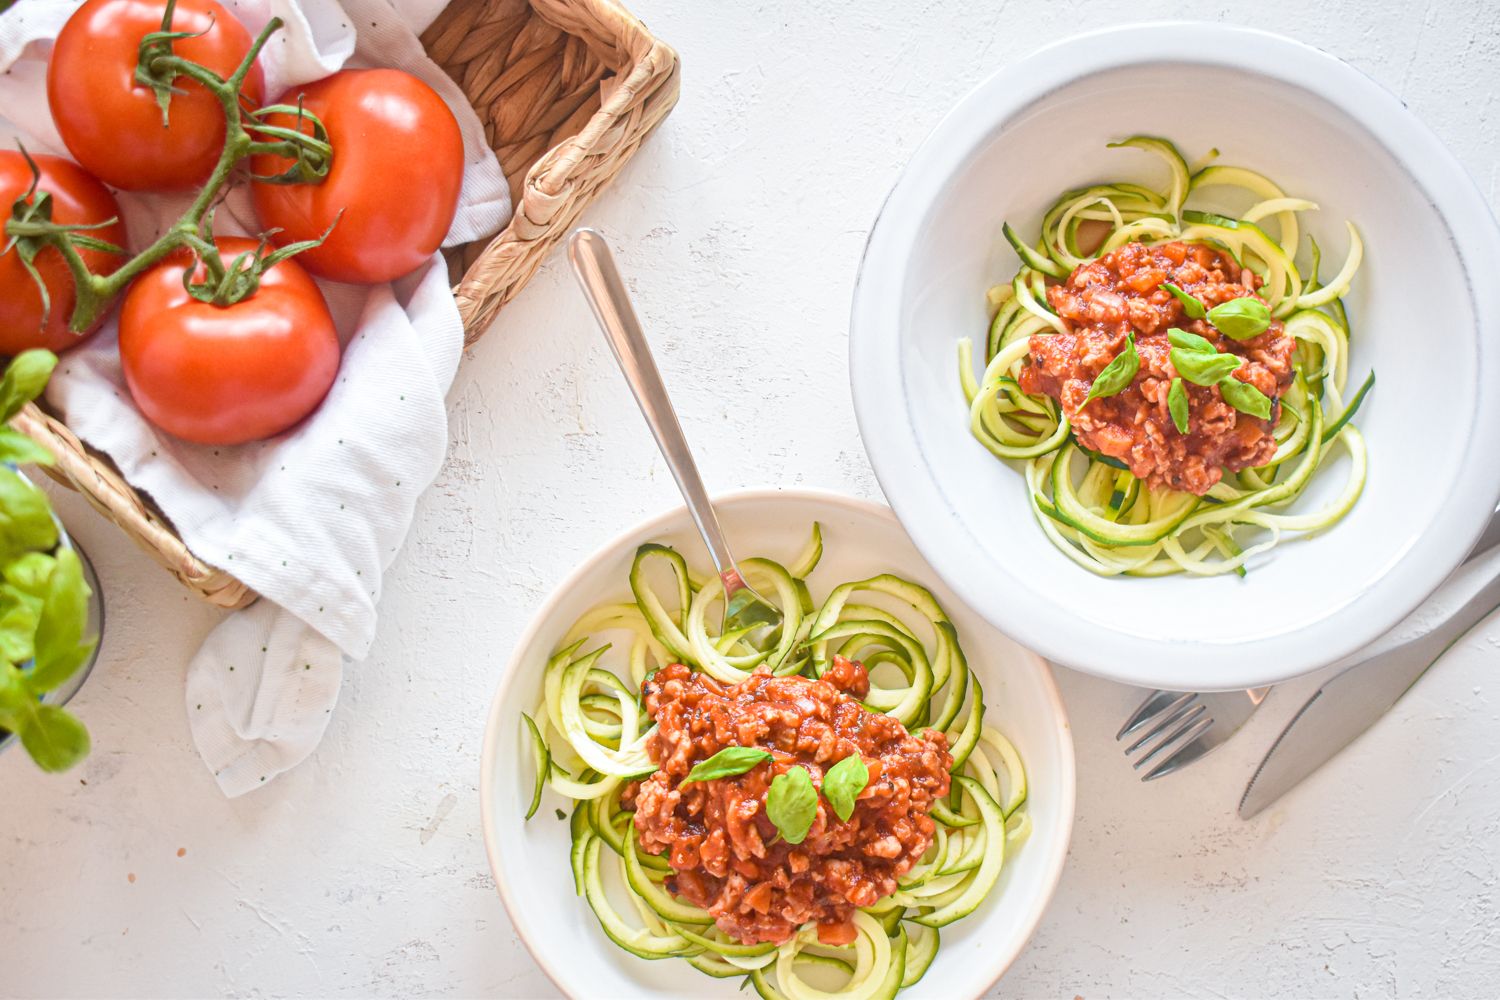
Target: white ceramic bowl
column 1425, row 308
column 530, row 859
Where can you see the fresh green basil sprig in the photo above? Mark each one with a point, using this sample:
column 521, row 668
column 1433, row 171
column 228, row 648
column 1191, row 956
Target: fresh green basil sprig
column 727, row 763
column 1197, row 361
column 1118, row 374
column 43, row 597
column 1241, row 319
column 1237, row 319
column 1246, row 398
column 1204, row 368
column 1191, row 307
column 792, row 804
column 1177, row 405
column 843, row 783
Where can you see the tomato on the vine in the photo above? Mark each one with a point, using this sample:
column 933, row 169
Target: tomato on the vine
column 77, row 199
column 227, row 374
column 398, row 163
column 112, row 123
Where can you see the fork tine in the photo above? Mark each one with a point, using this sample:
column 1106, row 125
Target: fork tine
column 1189, row 748
column 1179, row 724
column 1190, row 707
column 1155, row 704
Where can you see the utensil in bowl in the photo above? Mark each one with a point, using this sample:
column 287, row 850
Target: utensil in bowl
column 1328, row 133
column 594, row 266
column 1185, row 726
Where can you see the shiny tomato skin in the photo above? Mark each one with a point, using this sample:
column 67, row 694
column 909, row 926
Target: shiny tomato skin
column 111, row 124
column 76, row 198
column 227, row 374
column 398, row 163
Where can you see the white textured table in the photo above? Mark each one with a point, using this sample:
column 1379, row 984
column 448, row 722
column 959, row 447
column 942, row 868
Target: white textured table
column 740, row 225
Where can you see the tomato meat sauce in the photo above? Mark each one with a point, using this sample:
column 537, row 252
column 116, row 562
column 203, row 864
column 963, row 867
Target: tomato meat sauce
column 1105, row 300
column 727, row 856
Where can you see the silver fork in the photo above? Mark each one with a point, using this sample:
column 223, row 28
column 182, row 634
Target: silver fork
column 1182, row 726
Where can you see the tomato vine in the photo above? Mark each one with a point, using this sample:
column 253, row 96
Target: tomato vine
column 247, row 132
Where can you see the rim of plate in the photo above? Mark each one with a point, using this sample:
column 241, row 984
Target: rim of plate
column 881, row 403
column 511, row 675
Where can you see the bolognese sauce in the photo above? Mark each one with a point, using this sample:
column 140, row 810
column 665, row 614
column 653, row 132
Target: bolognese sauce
column 726, row 855
column 1105, row 300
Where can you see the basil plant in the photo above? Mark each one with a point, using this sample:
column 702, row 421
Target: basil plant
column 44, row 600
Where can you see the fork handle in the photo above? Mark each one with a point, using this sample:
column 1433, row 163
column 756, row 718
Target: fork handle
column 595, row 268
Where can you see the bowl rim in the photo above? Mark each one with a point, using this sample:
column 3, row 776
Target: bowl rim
column 882, row 404
column 510, row 675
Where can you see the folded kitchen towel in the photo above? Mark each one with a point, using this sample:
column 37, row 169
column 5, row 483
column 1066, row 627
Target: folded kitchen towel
column 312, row 518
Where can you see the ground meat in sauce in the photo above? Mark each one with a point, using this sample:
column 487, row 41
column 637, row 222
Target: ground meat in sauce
column 1101, row 303
column 727, row 856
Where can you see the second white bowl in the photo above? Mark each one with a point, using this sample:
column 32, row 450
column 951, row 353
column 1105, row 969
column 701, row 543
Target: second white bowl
column 1425, row 311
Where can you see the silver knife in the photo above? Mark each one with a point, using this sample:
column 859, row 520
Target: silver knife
column 1377, row 676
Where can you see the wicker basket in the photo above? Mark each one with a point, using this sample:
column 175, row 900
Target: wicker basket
column 567, row 89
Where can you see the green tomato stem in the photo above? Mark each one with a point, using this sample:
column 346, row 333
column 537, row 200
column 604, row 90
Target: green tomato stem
column 93, row 293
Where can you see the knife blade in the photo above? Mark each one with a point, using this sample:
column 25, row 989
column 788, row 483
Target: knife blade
column 1376, row 677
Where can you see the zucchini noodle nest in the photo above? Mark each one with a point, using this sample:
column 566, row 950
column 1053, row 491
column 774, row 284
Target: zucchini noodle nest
column 589, row 737
column 1090, row 505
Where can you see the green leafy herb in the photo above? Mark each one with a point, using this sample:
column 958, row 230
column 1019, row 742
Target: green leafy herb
column 1190, row 305
column 54, row 738
column 727, row 763
column 792, row 804
column 1240, row 319
column 24, row 380
column 843, row 783
column 1177, row 404
column 1118, row 374
column 44, row 600
column 1191, row 342
column 1246, row 398
column 1203, row 369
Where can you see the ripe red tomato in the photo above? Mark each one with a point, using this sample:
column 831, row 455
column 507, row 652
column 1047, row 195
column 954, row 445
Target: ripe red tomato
column 77, row 198
column 111, row 124
column 398, row 162
column 227, row 374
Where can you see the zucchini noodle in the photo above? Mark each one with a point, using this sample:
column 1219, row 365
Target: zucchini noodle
column 589, row 730
column 1091, row 506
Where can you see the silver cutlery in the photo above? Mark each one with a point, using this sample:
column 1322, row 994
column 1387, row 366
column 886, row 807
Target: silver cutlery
column 1377, row 676
column 594, row 266
column 1181, row 727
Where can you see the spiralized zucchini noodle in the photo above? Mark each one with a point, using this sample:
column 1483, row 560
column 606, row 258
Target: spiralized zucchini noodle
column 589, row 734
column 1091, row 506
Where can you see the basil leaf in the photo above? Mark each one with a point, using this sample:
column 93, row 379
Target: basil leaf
column 1118, row 374
column 25, row 378
column 26, row 523
column 54, row 738
column 1203, row 369
column 1177, row 404
column 19, row 613
column 1190, row 305
column 29, row 574
column 59, row 647
column 843, row 783
column 1246, row 398
column 18, row 449
column 1191, row 341
column 792, row 804
column 1240, row 319
column 727, row 763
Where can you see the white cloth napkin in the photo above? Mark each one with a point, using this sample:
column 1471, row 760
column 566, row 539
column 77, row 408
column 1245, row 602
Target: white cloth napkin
column 310, row 519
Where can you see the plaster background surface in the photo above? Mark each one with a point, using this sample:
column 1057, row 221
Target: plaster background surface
column 740, row 226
